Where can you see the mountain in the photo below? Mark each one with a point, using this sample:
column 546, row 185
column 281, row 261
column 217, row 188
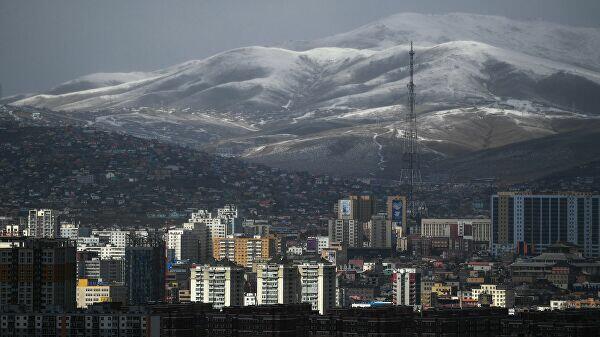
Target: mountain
column 336, row 105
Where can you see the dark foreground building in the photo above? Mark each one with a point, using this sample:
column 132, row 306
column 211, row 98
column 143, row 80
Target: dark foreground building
column 296, row 320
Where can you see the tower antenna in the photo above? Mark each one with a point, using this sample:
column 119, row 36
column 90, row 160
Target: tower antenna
column 411, row 172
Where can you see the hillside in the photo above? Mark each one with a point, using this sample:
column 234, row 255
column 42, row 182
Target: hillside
column 336, row 105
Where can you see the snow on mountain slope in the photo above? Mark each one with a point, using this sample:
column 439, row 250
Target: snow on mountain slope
column 574, row 45
column 272, row 79
column 97, row 80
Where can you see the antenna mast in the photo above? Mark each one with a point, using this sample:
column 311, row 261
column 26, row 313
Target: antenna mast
column 411, row 171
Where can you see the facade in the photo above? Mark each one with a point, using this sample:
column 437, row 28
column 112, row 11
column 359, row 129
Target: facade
column 145, row 269
column 318, row 285
column 528, row 223
column 91, row 291
column 502, row 297
column 406, row 283
column 37, row 274
column 42, row 223
column 244, row 251
column 221, row 285
column 277, row 283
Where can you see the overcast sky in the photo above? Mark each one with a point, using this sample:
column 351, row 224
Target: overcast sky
column 46, row 42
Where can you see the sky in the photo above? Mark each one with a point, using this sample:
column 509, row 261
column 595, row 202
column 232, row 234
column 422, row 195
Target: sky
column 47, row 42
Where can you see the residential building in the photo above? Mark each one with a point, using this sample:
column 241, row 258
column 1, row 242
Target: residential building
column 220, row 284
column 380, row 231
column 348, row 232
column 406, row 283
column 318, row 285
column 37, row 273
column 244, row 251
column 277, row 283
column 42, row 223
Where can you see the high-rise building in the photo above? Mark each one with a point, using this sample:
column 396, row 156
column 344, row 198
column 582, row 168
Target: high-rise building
column 189, row 243
column 347, row 209
column 230, row 214
column 90, row 291
column 396, row 210
column 380, row 231
column 348, row 232
column 407, row 286
column 529, row 223
column 277, row 283
column 221, row 284
column 145, row 268
column 365, row 207
column 244, row 251
column 318, row 285
column 43, row 223
column 217, row 226
column 37, row 274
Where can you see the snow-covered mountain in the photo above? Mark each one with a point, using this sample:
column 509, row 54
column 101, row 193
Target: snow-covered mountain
column 482, row 82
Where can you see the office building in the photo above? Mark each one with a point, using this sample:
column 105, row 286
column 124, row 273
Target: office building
column 529, row 223
column 37, row 274
column 145, row 268
column 90, row 291
column 277, row 283
column 221, row 284
column 244, row 251
column 318, row 285
column 406, row 284
column 42, row 223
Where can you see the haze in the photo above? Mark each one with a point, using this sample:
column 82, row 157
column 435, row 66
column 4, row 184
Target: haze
column 43, row 43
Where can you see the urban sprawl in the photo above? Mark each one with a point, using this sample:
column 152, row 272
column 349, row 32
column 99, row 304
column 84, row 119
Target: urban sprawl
column 531, row 268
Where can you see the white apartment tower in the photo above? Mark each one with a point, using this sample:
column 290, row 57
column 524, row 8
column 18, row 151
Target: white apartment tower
column 221, row 285
column 277, row 283
column 43, row 223
column 407, row 286
column 318, row 285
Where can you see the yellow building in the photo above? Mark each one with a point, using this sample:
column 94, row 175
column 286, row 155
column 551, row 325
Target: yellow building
column 441, row 290
column 244, row 251
column 90, row 292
